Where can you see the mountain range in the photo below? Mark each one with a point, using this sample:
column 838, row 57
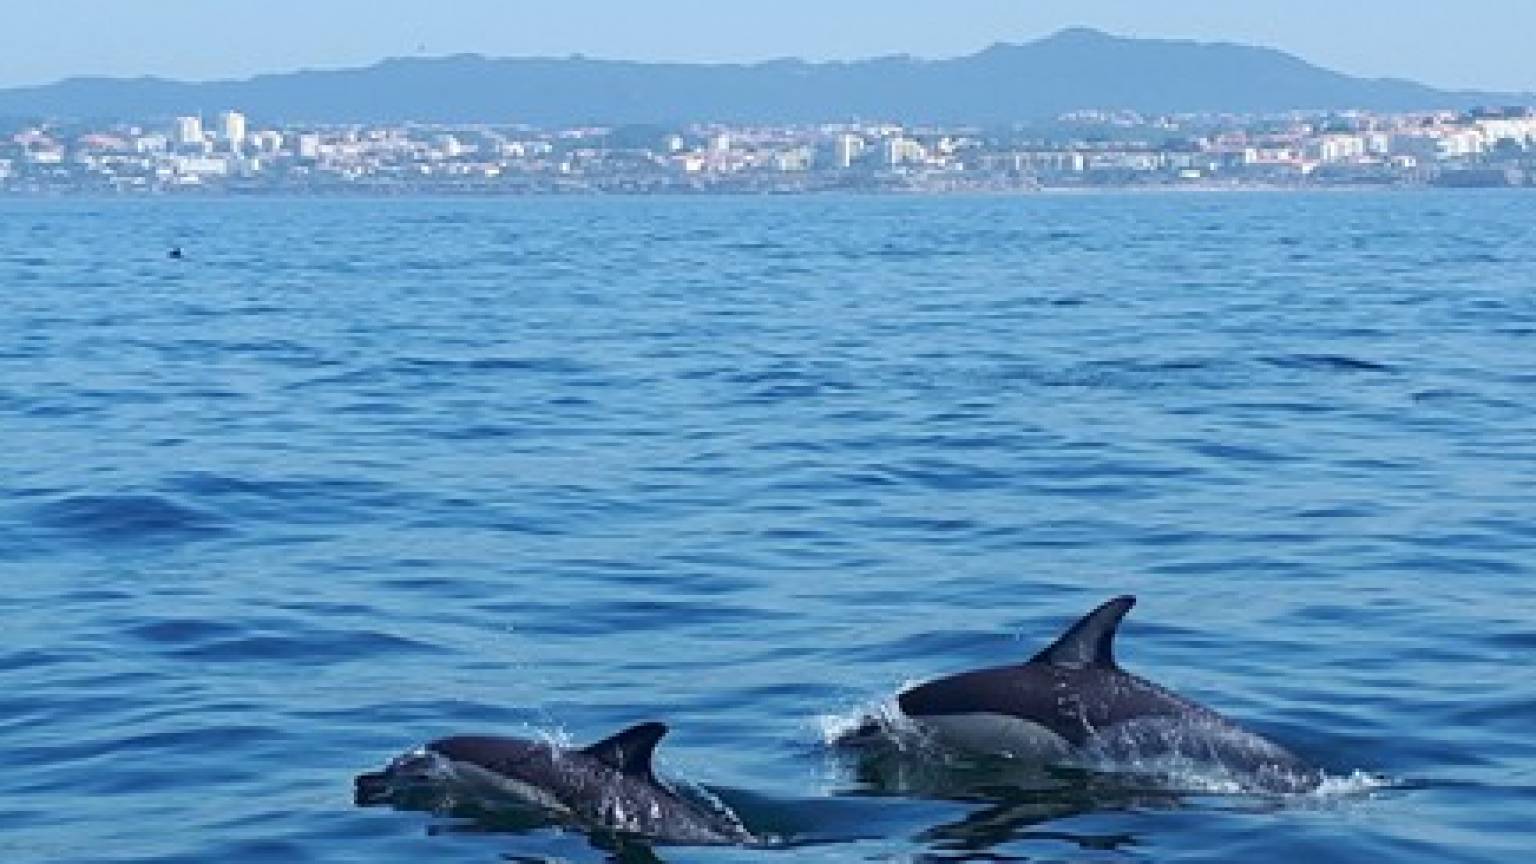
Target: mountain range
column 1078, row 68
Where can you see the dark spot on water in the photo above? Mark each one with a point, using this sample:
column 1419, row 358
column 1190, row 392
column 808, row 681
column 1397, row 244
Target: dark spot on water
column 1238, row 453
column 1328, row 363
column 182, row 631
column 478, row 432
column 1342, row 511
column 127, row 519
column 30, row 659
column 302, row 500
column 548, row 365
column 305, row 645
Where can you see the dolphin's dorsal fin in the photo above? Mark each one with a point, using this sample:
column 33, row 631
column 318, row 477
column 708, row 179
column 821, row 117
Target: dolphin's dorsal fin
column 1091, row 641
column 629, row 751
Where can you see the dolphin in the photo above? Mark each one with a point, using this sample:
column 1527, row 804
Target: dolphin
column 608, row 786
column 1072, row 703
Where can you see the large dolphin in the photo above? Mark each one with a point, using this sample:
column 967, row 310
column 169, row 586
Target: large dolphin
column 608, row 786
column 1073, row 703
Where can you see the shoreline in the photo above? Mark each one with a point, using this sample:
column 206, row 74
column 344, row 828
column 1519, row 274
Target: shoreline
column 493, row 194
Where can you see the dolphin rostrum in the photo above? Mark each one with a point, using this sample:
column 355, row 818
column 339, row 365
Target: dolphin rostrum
column 1073, row 703
column 608, row 786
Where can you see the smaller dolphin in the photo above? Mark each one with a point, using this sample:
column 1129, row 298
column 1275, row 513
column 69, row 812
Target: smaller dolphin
column 1073, row 703
column 608, row 786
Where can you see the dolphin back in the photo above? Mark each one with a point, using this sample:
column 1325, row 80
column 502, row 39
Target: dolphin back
column 607, row 786
column 1073, row 699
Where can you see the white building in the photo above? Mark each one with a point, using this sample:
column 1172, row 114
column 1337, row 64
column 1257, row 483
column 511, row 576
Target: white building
column 194, row 168
column 153, row 143
column 232, row 129
column 267, row 141
column 45, row 156
column 308, row 146
column 448, row 146
column 1336, row 148
column 188, row 131
column 846, row 150
column 1124, row 160
column 793, row 159
column 1048, row 161
column 1271, row 156
column 1521, row 130
column 1462, row 142
column 902, row 151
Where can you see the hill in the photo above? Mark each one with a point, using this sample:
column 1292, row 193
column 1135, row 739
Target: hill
column 1073, row 69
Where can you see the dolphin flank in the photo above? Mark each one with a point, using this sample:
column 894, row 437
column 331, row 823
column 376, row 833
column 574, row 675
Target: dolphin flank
column 608, row 786
column 1073, row 703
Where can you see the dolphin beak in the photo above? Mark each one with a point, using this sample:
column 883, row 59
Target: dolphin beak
column 371, row 788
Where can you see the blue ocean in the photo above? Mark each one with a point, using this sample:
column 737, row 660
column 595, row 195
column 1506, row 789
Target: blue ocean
column 355, row 474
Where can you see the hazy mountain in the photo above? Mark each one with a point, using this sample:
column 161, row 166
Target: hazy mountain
column 1076, row 68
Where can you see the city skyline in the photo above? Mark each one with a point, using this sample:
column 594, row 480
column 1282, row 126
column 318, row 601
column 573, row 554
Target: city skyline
column 1471, row 46
column 1090, row 149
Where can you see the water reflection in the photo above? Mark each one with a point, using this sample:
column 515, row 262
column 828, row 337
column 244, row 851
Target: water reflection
column 1011, row 820
column 463, row 815
column 1015, row 797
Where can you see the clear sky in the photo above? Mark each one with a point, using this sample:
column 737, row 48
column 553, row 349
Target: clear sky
column 1485, row 44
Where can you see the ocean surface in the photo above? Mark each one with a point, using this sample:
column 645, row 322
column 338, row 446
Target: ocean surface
column 357, row 474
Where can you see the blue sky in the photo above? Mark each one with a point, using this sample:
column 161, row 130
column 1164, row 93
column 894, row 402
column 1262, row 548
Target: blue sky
column 1474, row 44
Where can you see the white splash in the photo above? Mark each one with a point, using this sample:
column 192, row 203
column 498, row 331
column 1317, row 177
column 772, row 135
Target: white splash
column 868, row 722
column 1357, row 783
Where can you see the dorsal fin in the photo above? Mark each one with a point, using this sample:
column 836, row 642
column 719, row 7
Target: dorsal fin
column 1091, row 641
column 629, row 751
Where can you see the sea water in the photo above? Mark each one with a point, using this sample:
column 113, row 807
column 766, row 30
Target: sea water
column 355, row 474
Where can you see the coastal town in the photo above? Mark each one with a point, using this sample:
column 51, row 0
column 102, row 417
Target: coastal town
column 230, row 154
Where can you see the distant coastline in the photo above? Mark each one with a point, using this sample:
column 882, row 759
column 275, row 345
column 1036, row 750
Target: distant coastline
column 1487, row 148
column 1009, row 119
column 211, row 195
